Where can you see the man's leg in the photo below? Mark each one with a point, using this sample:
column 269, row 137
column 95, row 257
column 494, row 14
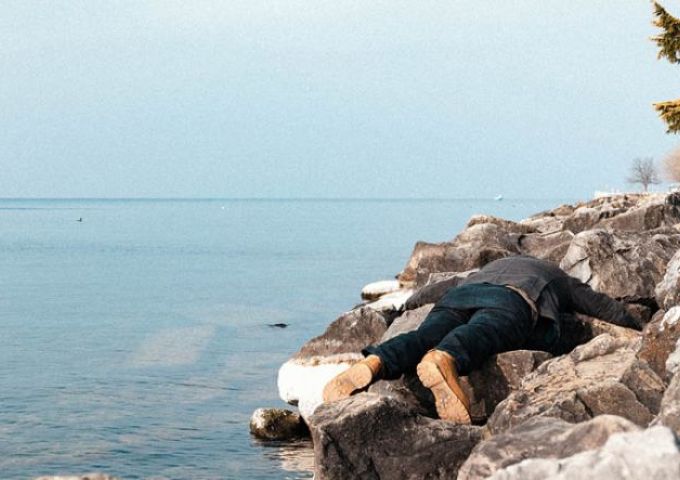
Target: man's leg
column 489, row 331
column 493, row 329
column 397, row 355
column 402, row 353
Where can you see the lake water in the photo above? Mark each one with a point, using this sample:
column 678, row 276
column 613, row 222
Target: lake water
column 136, row 342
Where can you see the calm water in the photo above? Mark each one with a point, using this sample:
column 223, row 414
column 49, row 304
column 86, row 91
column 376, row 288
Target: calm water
column 136, row 342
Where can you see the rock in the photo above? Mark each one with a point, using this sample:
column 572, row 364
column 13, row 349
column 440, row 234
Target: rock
column 583, row 218
column 624, row 265
column 435, row 288
column 409, row 320
column 551, row 246
column 667, row 291
column 89, row 476
column 646, row 454
column 540, row 437
column 375, row 290
column 626, row 212
column 644, row 217
column 506, row 225
column 669, row 414
column 604, row 376
column 276, row 424
column 474, row 247
column 673, row 362
column 498, row 377
column 302, row 378
column 371, row 437
column 659, row 340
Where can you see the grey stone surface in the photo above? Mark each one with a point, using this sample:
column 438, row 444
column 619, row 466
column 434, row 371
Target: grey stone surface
column 407, row 321
column 659, row 339
column 603, row 376
column 624, row 265
column 642, row 455
column 372, row 437
column 667, row 291
column 540, row 437
column 351, row 332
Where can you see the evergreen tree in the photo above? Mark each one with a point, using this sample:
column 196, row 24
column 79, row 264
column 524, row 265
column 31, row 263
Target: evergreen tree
column 669, row 48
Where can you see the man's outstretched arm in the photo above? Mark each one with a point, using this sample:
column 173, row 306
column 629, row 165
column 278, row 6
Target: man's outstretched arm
column 589, row 302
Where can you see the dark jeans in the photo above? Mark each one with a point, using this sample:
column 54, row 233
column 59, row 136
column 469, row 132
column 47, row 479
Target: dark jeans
column 471, row 322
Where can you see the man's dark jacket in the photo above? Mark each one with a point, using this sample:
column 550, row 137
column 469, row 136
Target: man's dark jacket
column 552, row 290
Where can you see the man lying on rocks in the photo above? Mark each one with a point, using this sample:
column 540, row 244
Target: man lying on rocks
column 510, row 304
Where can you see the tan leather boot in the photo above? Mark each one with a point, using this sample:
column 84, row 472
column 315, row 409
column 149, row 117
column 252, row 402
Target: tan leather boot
column 358, row 376
column 437, row 371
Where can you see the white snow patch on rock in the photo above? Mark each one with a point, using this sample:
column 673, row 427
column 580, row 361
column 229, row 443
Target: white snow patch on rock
column 302, row 384
column 391, row 301
column 378, row 289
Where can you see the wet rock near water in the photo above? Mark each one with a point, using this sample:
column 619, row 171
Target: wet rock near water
column 277, row 424
column 369, row 436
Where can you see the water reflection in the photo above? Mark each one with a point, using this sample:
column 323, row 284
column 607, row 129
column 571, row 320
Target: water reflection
column 295, row 457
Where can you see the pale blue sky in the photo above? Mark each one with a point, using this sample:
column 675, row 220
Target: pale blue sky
column 316, row 98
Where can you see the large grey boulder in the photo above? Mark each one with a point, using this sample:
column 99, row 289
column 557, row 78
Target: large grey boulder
column 667, row 291
column 540, row 437
column 642, row 455
column 368, row 436
column 474, row 247
column 624, row 265
column 603, row 376
column 407, row 321
column 302, row 378
column 551, row 246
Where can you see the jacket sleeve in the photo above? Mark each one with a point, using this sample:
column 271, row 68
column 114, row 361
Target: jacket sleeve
column 589, row 302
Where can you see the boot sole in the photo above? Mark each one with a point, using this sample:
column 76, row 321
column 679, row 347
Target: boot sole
column 353, row 379
column 449, row 406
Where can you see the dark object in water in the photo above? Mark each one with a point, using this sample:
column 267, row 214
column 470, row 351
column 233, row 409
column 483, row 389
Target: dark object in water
column 80, row 219
column 278, row 325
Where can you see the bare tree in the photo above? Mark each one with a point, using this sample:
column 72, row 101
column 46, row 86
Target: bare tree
column 643, row 171
column 671, row 166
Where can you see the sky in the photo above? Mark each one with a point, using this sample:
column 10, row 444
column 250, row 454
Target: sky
column 332, row 99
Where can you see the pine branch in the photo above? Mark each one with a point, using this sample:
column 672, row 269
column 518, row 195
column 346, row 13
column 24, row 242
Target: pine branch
column 668, row 41
column 670, row 113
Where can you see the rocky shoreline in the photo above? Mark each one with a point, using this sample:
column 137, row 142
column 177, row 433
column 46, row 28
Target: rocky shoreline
column 605, row 403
